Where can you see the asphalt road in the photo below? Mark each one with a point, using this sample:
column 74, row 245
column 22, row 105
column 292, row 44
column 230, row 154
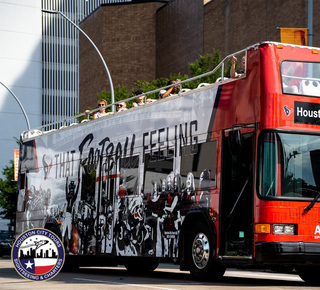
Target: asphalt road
column 166, row 277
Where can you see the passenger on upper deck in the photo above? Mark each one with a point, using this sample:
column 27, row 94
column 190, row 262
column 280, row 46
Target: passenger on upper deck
column 140, row 99
column 238, row 73
column 170, row 91
column 122, row 106
column 102, row 111
column 289, row 86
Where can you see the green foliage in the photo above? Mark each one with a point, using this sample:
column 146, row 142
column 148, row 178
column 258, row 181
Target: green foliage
column 204, row 64
column 120, row 93
column 8, row 188
column 156, row 84
column 151, row 86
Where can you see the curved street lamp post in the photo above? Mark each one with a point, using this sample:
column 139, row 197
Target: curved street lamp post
column 23, row 111
column 95, row 47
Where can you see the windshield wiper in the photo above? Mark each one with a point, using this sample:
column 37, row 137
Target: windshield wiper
column 310, row 206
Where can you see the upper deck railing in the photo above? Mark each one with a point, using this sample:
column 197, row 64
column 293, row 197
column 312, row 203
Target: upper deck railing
column 74, row 120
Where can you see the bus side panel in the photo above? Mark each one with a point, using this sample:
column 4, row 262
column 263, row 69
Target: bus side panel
column 123, row 185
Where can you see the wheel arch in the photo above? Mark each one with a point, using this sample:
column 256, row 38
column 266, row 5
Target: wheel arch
column 52, row 225
column 193, row 217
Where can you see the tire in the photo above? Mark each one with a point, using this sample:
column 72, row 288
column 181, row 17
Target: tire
column 53, row 227
column 70, row 265
column 200, row 254
column 141, row 265
column 309, row 275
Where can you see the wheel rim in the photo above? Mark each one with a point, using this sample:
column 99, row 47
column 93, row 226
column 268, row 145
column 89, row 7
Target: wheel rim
column 200, row 250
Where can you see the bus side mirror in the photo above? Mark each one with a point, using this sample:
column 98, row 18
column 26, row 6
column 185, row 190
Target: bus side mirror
column 235, row 142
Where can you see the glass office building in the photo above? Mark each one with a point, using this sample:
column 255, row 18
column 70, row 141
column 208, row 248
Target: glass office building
column 60, row 57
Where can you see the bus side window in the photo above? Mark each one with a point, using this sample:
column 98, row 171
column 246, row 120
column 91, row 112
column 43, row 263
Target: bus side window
column 156, row 171
column 202, row 164
column 129, row 172
column 22, row 193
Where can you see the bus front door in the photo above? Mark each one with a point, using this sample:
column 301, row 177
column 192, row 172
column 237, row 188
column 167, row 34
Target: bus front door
column 236, row 196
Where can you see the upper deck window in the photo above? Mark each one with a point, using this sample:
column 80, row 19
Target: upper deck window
column 300, row 78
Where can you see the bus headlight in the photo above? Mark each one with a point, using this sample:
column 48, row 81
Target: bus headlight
column 283, row 229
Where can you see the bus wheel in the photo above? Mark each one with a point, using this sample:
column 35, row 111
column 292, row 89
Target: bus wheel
column 141, row 265
column 53, row 227
column 309, row 275
column 70, row 265
column 200, row 255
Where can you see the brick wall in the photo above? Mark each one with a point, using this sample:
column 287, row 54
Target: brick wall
column 179, row 36
column 149, row 40
column 91, row 69
column 125, row 35
column 233, row 25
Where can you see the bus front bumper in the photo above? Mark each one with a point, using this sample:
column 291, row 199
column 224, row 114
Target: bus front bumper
column 297, row 253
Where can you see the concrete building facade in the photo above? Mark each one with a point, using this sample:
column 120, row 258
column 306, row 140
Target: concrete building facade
column 21, row 66
column 20, row 63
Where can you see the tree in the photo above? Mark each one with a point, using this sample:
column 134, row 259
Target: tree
column 156, row 84
column 203, row 64
column 120, row 93
column 8, row 189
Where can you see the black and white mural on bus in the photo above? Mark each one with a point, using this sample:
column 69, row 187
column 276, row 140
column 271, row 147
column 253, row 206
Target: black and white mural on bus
column 112, row 213
column 115, row 189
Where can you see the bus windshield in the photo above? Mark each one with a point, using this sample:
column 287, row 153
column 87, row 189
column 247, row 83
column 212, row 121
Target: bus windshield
column 292, row 158
column 300, row 78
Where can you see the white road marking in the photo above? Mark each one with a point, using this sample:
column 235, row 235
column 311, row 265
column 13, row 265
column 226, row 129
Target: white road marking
column 126, row 284
column 262, row 275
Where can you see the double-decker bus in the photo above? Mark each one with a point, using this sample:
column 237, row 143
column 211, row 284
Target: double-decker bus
column 225, row 175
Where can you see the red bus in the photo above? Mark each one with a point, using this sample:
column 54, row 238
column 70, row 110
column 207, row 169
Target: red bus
column 220, row 176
